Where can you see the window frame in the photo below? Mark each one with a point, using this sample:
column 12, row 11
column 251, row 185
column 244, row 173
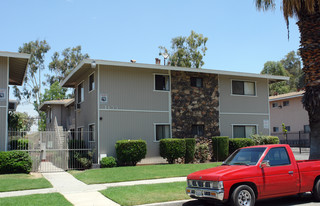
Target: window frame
column 246, row 95
column 306, row 130
column 287, row 104
column 194, row 79
column 89, row 132
column 275, row 104
column 90, row 84
column 275, row 128
column 154, row 82
column 155, row 130
column 198, row 125
column 256, row 125
column 82, row 99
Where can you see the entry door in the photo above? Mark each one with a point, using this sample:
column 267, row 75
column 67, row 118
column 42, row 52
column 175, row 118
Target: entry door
column 281, row 177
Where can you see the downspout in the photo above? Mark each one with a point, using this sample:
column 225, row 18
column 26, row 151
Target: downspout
column 98, row 111
column 7, row 104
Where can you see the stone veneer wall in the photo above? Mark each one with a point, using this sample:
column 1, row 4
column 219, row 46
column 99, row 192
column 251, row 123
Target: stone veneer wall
column 193, row 105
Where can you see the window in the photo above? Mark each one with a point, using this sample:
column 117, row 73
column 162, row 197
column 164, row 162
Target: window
column 162, row 82
column 198, row 130
column 80, row 93
column 91, row 82
column 243, row 88
column 91, row 133
column 244, row 131
column 80, row 133
column 196, row 82
column 162, row 132
column 288, row 128
column 275, row 104
column 275, row 129
column 277, row 157
column 286, row 103
column 306, row 128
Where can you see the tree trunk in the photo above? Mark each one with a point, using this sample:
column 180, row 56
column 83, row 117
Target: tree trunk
column 309, row 26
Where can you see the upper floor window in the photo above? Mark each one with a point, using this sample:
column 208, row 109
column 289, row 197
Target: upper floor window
column 275, row 104
column 306, row 128
column 91, row 82
column 162, row 132
column 288, row 128
column 162, row 82
column 198, row 130
column 243, row 88
column 196, row 82
column 275, row 129
column 80, row 93
column 286, row 103
column 244, row 131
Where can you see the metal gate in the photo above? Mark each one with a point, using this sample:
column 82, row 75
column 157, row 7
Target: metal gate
column 54, row 151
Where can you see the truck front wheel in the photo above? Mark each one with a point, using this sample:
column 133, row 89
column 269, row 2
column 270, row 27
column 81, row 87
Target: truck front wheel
column 316, row 191
column 243, row 195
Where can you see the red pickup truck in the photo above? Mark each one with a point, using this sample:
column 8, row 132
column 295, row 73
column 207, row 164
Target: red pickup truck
column 254, row 173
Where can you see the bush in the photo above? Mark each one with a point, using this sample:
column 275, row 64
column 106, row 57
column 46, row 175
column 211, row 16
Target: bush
column 263, row 139
column 237, row 143
column 172, row 149
column 15, row 162
column 220, row 147
column 202, row 152
column 130, row 152
column 190, row 149
column 108, row 162
column 79, row 159
column 19, row 144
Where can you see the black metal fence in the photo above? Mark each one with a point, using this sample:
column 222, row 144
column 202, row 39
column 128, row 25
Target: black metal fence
column 294, row 139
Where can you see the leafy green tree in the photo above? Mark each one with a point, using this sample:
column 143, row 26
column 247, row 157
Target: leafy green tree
column 307, row 14
column 18, row 121
column 276, row 68
column 187, row 51
column 62, row 64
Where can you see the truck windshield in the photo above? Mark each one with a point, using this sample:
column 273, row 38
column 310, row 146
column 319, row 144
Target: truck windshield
column 247, row 156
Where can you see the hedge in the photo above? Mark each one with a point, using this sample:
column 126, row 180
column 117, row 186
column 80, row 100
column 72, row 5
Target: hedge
column 130, row 152
column 19, row 144
column 190, row 149
column 263, row 139
column 15, row 162
column 172, row 149
column 108, row 162
column 220, row 147
column 236, row 143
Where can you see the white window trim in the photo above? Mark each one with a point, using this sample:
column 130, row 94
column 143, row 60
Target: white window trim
column 78, row 92
column 94, row 132
column 94, row 82
column 232, row 125
column 245, row 95
column 155, row 131
column 154, row 82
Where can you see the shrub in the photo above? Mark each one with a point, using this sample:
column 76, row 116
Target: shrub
column 263, row 139
column 220, row 146
column 19, row 144
column 130, row 152
column 190, row 149
column 108, row 162
column 15, row 162
column 202, row 152
column 237, row 143
column 79, row 159
column 172, row 149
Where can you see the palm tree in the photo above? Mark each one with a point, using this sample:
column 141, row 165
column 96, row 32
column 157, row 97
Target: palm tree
column 307, row 13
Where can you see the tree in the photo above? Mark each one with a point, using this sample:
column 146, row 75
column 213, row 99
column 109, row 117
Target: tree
column 276, row 68
column 31, row 88
column 18, row 121
column 307, row 14
column 61, row 67
column 187, row 51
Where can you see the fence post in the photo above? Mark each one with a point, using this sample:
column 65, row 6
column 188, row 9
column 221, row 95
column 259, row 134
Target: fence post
column 300, row 142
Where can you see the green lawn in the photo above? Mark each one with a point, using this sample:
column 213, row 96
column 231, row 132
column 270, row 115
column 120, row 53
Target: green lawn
column 12, row 182
column 121, row 174
column 51, row 199
column 145, row 194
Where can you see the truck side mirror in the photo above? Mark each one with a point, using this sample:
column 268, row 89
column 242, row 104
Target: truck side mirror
column 265, row 163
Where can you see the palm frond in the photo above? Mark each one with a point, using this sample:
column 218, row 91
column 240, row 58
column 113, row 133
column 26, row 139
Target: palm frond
column 265, row 4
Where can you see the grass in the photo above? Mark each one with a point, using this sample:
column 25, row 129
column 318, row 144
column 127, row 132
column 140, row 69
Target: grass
column 145, row 194
column 51, row 199
column 122, row 174
column 13, row 182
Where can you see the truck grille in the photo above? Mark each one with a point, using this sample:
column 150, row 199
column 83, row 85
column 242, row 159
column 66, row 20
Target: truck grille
column 200, row 183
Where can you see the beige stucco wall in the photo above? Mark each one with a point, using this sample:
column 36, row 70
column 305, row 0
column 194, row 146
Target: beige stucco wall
column 132, row 109
column 293, row 115
column 242, row 109
column 3, row 104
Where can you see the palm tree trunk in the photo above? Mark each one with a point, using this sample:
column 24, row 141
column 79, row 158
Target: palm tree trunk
column 309, row 26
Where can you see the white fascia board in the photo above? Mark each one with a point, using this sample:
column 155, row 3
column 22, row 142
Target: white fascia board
column 15, row 55
column 282, row 98
column 72, row 72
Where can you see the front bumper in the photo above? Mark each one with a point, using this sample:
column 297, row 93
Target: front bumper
column 205, row 193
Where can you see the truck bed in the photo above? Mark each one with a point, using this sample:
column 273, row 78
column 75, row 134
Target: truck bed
column 309, row 170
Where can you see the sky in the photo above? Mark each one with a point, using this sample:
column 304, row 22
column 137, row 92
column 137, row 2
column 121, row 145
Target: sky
column 240, row 38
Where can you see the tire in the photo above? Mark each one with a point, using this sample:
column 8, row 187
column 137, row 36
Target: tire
column 316, row 191
column 243, row 195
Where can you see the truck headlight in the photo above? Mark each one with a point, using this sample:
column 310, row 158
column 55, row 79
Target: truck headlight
column 217, row 185
column 190, row 183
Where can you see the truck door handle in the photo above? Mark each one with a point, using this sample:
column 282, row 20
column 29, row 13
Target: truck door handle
column 291, row 172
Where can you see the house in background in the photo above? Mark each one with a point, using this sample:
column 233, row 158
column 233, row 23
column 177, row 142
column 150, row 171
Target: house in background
column 13, row 68
column 288, row 109
column 120, row 100
column 59, row 113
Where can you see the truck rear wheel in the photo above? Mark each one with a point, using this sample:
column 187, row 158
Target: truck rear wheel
column 243, row 195
column 316, row 191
